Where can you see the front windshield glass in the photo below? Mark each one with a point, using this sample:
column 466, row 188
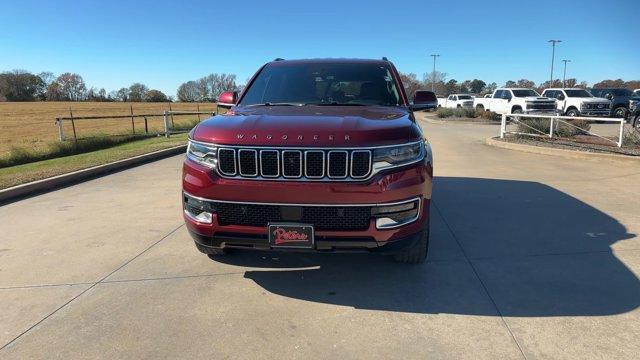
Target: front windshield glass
column 578, row 93
column 464, row 97
column 524, row 93
column 621, row 92
column 323, row 84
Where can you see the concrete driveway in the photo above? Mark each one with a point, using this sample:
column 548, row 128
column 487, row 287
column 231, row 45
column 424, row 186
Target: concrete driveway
column 532, row 256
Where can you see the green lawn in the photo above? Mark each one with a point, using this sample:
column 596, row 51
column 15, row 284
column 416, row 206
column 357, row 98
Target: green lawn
column 20, row 174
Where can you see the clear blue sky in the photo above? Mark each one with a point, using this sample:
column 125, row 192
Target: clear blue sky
column 164, row 43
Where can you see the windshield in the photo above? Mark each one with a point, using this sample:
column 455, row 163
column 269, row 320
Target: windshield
column 323, row 84
column 524, row 93
column 621, row 92
column 578, row 93
column 464, row 97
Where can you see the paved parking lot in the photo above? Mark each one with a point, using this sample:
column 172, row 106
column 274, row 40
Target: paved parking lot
column 532, row 256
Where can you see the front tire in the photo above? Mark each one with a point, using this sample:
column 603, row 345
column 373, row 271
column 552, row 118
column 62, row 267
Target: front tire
column 479, row 108
column 620, row 112
column 573, row 113
column 636, row 123
column 417, row 253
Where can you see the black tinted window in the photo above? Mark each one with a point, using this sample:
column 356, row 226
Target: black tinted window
column 498, row 94
column 324, row 83
column 524, row 93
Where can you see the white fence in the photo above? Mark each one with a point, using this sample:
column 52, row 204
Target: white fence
column 554, row 121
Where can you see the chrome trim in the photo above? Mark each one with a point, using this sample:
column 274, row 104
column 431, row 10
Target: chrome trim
column 373, row 171
column 283, row 164
column 277, row 163
column 305, row 163
column 235, row 167
column 255, row 157
column 310, row 204
column 346, row 164
column 412, row 220
column 351, row 163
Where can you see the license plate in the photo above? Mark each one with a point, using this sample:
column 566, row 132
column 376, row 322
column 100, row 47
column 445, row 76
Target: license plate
column 287, row 235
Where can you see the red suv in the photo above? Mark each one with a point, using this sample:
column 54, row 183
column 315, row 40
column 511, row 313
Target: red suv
column 314, row 155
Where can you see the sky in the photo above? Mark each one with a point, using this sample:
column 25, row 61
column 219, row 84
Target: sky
column 165, row 43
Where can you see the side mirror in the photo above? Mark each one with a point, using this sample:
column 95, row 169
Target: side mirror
column 228, row 99
column 423, row 100
column 560, row 97
column 609, row 97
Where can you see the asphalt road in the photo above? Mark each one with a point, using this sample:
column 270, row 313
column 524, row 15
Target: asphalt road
column 532, row 256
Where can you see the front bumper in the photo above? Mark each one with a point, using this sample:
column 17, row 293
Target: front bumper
column 541, row 112
column 411, row 182
column 596, row 113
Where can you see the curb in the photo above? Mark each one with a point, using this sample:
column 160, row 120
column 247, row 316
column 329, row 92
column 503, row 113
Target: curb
column 52, row 183
column 573, row 154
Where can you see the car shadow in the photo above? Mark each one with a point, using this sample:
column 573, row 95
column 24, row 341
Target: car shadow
column 524, row 246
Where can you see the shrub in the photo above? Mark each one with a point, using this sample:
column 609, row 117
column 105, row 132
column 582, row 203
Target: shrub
column 444, row 112
column 527, row 126
column 489, row 115
column 458, row 112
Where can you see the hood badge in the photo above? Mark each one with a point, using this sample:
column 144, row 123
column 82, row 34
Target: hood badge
column 298, row 137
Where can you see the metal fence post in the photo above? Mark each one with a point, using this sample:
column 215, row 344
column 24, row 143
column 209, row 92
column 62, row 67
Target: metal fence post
column 551, row 127
column 133, row 124
column 621, row 133
column 60, row 129
column 503, row 126
column 166, row 124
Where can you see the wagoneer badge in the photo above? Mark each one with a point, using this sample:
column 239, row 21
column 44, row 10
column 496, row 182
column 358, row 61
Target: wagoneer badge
column 299, row 137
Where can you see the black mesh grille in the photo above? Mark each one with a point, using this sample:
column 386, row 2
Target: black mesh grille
column 291, row 163
column 328, row 218
column 247, row 161
column 541, row 106
column 360, row 163
column 269, row 163
column 337, row 164
column 226, row 161
column 314, row 163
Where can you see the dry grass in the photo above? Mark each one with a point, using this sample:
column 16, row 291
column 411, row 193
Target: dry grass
column 32, row 124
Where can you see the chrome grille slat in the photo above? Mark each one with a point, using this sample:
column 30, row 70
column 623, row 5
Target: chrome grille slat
column 314, row 164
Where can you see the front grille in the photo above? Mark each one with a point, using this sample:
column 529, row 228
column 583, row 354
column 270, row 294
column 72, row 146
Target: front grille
column 541, row 106
column 286, row 164
column 602, row 106
column 328, row 218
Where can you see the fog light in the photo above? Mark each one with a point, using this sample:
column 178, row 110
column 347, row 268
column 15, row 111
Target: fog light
column 198, row 210
column 391, row 216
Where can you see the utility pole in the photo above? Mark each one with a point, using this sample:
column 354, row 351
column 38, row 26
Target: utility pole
column 553, row 55
column 433, row 74
column 564, row 74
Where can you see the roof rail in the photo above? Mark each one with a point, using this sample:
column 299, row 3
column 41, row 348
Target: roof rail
column 278, row 59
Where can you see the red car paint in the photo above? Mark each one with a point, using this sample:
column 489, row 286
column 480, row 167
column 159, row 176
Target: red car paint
column 310, row 127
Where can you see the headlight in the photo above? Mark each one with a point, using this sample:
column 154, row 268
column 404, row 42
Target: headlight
column 202, row 154
column 394, row 156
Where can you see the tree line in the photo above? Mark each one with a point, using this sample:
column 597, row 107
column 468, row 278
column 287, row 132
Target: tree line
column 444, row 87
column 20, row 85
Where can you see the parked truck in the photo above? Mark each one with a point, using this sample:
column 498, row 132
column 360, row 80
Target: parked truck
column 516, row 101
column 458, row 100
column 621, row 100
column 578, row 102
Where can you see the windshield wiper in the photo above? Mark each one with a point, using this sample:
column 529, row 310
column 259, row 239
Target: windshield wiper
column 277, row 104
column 335, row 103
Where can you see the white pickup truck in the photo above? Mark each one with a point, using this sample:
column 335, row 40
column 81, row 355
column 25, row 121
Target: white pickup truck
column 516, row 101
column 458, row 101
column 578, row 102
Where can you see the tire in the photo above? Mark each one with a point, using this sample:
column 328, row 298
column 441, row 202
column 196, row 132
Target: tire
column 479, row 107
column 210, row 250
column 636, row 123
column 417, row 253
column 573, row 113
column 619, row 112
column 517, row 111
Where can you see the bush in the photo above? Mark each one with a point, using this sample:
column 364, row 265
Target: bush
column 527, row 126
column 458, row 112
column 489, row 115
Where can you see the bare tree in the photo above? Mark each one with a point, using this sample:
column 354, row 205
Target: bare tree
column 189, row 92
column 138, row 92
column 411, row 84
column 72, row 86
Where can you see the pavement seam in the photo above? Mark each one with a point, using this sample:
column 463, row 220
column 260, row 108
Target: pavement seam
column 89, row 288
column 475, row 271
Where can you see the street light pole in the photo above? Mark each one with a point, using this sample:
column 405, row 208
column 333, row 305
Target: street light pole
column 553, row 55
column 564, row 74
column 433, row 74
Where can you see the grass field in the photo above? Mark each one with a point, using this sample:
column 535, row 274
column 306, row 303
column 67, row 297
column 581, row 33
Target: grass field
column 32, row 124
column 20, row 174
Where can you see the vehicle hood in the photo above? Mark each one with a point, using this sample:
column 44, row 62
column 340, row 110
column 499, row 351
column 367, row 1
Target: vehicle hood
column 594, row 100
column 537, row 99
column 309, row 126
